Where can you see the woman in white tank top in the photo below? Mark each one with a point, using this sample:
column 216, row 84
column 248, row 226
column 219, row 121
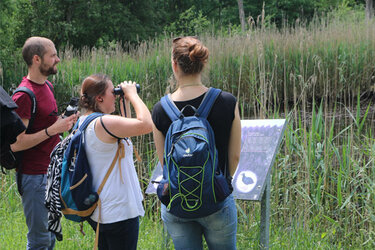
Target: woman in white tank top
column 121, row 197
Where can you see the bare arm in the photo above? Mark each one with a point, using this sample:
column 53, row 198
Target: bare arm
column 26, row 141
column 126, row 127
column 159, row 139
column 234, row 148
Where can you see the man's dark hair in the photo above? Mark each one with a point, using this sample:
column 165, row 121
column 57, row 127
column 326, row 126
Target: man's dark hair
column 34, row 46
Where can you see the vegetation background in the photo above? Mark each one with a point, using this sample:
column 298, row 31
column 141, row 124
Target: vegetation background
column 311, row 62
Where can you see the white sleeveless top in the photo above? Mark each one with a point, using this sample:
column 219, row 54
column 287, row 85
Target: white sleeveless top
column 121, row 197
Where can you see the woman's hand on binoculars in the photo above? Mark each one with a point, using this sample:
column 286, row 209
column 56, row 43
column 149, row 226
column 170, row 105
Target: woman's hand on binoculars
column 129, row 88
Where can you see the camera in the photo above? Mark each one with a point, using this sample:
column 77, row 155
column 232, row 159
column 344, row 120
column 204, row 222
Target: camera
column 72, row 107
column 118, row 90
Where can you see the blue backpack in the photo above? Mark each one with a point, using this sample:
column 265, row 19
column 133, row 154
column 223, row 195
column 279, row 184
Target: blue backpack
column 78, row 197
column 192, row 184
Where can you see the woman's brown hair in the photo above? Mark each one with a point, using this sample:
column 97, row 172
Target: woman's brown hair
column 93, row 86
column 190, row 54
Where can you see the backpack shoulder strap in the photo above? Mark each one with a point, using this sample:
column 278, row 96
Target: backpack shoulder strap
column 207, row 102
column 33, row 104
column 89, row 119
column 50, row 86
column 170, row 108
column 119, row 154
column 75, row 125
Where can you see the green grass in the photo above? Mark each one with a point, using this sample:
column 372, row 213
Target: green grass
column 290, row 232
column 13, row 232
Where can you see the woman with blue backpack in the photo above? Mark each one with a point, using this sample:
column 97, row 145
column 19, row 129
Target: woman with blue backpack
column 197, row 134
column 121, row 197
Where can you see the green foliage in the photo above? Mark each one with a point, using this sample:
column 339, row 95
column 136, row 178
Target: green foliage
column 7, row 46
column 348, row 11
column 290, row 10
column 96, row 23
column 190, row 22
column 83, row 23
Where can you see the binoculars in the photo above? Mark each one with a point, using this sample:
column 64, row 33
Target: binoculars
column 72, row 107
column 73, row 104
column 118, row 90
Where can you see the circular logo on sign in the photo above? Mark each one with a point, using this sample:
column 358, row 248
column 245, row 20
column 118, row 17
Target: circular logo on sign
column 246, row 181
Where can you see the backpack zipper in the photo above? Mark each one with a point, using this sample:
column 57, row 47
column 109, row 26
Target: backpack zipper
column 184, row 136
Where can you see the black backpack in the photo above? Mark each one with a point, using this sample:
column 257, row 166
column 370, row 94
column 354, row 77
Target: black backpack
column 11, row 127
column 9, row 159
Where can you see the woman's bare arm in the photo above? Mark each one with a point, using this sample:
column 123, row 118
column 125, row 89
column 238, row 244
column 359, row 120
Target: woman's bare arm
column 159, row 139
column 234, row 149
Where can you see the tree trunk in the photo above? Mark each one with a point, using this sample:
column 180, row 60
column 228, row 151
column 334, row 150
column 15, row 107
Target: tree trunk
column 242, row 14
column 369, row 9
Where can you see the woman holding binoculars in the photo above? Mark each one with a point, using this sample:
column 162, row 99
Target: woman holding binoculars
column 121, row 197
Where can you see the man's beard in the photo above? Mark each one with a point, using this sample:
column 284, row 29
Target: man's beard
column 46, row 71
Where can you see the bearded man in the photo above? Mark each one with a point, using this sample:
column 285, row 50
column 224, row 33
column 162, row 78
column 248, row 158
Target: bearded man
column 39, row 139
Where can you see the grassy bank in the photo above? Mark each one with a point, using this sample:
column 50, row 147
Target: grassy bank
column 13, row 229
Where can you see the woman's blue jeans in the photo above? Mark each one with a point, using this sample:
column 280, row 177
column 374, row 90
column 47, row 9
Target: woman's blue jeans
column 219, row 229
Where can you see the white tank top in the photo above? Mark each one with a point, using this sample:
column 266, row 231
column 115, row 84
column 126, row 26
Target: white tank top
column 121, row 197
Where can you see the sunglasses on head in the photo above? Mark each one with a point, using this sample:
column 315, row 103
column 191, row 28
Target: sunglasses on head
column 180, row 37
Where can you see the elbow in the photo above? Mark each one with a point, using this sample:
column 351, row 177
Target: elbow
column 14, row 147
column 148, row 123
column 146, row 127
column 149, row 127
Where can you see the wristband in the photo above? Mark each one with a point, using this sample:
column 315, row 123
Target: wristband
column 45, row 130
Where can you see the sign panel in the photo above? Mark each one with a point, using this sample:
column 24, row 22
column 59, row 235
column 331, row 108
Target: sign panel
column 260, row 141
column 156, row 177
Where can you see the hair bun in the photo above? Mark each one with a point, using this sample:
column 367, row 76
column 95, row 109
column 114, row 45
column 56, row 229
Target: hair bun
column 190, row 54
column 198, row 52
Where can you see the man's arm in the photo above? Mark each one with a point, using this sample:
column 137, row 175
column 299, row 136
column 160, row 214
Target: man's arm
column 26, row 141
